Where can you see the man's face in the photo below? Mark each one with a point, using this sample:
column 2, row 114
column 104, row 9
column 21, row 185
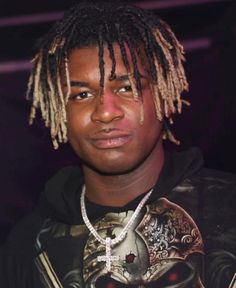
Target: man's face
column 107, row 133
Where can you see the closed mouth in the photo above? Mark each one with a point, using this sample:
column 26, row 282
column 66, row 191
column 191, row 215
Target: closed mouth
column 114, row 140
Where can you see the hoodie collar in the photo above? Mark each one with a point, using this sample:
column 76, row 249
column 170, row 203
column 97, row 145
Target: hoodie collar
column 60, row 199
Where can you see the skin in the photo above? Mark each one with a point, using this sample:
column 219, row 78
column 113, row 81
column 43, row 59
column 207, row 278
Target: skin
column 121, row 157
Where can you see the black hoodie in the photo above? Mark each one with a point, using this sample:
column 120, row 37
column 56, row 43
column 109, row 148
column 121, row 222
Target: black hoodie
column 53, row 248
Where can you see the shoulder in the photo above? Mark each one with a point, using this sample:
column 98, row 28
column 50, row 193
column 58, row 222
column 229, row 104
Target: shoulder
column 208, row 189
column 212, row 188
column 17, row 253
column 21, row 239
column 19, row 250
column 218, row 199
column 216, row 192
column 211, row 196
column 214, row 179
column 22, row 236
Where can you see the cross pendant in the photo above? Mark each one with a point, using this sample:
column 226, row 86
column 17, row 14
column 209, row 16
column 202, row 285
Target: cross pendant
column 108, row 258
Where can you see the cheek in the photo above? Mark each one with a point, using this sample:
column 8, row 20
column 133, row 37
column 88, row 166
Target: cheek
column 77, row 120
column 151, row 121
column 151, row 130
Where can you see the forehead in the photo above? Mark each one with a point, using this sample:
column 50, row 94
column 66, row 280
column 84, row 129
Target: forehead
column 88, row 58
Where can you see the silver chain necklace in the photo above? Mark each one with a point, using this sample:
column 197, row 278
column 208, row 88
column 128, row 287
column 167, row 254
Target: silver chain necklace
column 108, row 242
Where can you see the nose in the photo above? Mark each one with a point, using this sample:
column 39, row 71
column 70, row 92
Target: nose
column 108, row 108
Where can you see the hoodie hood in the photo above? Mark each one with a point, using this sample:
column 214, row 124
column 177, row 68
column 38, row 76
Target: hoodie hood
column 61, row 198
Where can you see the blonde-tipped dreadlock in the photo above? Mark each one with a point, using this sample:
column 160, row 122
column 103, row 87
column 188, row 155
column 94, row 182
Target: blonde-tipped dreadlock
column 105, row 24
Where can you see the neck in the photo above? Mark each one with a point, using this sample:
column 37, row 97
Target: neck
column 118, row 190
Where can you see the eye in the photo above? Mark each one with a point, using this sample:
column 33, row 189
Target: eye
column 81, row 95
column 126, row 89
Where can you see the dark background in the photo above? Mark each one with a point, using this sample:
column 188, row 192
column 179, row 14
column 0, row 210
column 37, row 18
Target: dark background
column 208, row 31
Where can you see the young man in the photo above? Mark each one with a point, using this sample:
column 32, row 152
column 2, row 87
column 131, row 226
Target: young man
column 107, row 78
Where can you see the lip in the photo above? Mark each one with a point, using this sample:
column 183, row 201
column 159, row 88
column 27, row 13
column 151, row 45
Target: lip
column 114, row 139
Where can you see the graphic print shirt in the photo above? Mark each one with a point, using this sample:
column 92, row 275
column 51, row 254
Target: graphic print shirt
column 174, row 236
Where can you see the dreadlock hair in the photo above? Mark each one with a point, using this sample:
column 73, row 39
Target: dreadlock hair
column 90, row 24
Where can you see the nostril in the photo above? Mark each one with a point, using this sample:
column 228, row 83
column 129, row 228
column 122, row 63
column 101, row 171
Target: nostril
column 107, row 111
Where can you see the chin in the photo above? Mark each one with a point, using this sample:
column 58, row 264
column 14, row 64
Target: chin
column 111, row 168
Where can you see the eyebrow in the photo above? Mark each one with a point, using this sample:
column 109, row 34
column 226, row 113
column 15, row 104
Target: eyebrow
column 126, row 77
column 86, row 84
column 79, row 84
column 120, row 78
